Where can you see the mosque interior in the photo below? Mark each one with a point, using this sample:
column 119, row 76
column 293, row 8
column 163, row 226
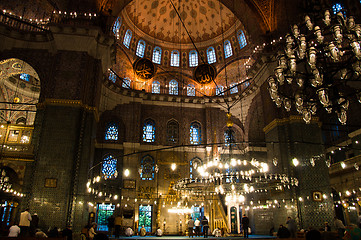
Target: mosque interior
column 158, row 111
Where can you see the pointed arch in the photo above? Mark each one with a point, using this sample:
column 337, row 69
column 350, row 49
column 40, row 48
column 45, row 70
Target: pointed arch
column 147, row 166
column 127, row 38
column 157, row 55
column 172, row 132
column 174, row 58
column 140, row 48
column 149, row 131
column 227, row 49
column 211, row 55
column 195, row 133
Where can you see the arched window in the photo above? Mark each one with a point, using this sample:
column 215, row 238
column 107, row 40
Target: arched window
column 174, row 58
column 229, row 137
column 245, row 84
column 219, row 90
column 227, row 49
column 112, row 77
column 109, row 167
column 116, row 26
column 126, row 83
column 195, row 133
column 25, row 77
column 234, row 88
column 155, row 87
column 211, row 55
column 147, row 167
column 172, row 132
column 140, row 48
column 127, row 38
column 149, row 131
column 173, row 87
column 191, row 90
column 111, row 132
column 193, row 58
column 337, row 7
column 21, row 120
column 194, row 163
column 157, row 55
column 241, row 39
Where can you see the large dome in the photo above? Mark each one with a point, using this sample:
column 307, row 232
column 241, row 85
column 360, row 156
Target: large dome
column 204, row 19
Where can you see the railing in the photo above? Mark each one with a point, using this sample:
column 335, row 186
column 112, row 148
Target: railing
column 21, row 24
column 15, row 141
column 72, row 19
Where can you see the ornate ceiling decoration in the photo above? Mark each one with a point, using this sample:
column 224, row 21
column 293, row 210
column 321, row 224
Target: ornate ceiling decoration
column 266, row 10
column 204, row 19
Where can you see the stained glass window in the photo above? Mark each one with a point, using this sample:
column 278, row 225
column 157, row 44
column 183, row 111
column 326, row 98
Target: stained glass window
column 157, row 55
column 111, row 132
column 126, row 83
column 104, row 211
column 116, row 27
column 173, row 87
column 174, row 58
column 112, row 77
column 109, row 166
column 25, row 77
column 234, row 88
column 127, row 38
column 219, row 90
column 229, row 137
column 241, row 39
column 191, row 91
column 155, row 87
column 172, row 132
column 145, row 218
column 245, row 84
column 228, row 175
column 140, row 48
column 211, row 55
column 147, row 168
column 195, row 133
column 149, row 131
column 227, row 49
column 337, row 7
column 193, row 166
column 193, row 58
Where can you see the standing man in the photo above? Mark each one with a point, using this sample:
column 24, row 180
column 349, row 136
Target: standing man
column 197, row 224
column 34, row 224
column 111, row 220
column 117, row 223
column 24, row 223
column 291, row 225
column 205, row 226
column 245, row 225
column 190, row 226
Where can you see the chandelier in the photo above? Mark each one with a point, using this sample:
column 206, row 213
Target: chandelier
column 5, row 184
column 234, row 176
column 319, row 67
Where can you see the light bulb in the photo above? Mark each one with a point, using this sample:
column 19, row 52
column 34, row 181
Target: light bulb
column 126, row 172
column 295, row 162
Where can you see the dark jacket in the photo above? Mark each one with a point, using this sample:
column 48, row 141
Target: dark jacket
column 245, row 221
column 204, row 222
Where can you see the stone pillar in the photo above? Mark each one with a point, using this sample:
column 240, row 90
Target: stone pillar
column 64, row 129
column 290, row 138
column 56, row 187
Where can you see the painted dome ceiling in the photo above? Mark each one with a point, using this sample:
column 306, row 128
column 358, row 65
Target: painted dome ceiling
column 204, row 19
